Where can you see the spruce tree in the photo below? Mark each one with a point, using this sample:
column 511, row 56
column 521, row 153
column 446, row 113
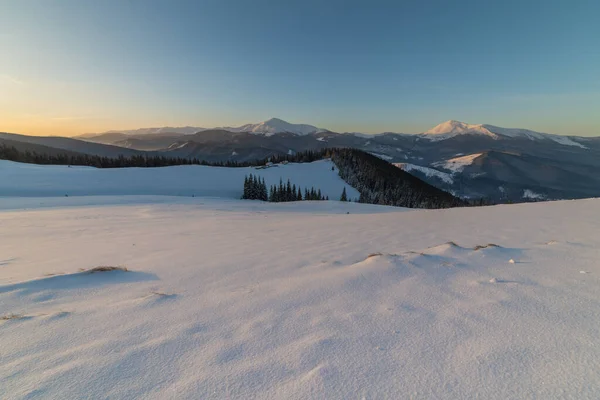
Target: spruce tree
column 344, row 197
column 245, row 195
column 288, row 191
column 252, row 187
column 272, row 194
column 281, row 190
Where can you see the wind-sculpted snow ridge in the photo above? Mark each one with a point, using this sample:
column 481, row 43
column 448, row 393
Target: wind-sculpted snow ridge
column 328, row 300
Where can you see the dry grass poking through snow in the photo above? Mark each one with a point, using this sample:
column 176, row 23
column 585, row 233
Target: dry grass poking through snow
column 162, row 294
column 9, row 317
column 374, row 255
column 479, row 247
column 105, row 268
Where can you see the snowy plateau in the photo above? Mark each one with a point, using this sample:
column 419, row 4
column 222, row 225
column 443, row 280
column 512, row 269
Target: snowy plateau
column 220, row 298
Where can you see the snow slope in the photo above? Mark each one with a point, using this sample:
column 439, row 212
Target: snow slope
column 457, row 164
column 243, row 299
column 429, row 172
column 18, row 179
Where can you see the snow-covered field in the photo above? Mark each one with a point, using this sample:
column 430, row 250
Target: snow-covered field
column 28, row 180
column 242, row 299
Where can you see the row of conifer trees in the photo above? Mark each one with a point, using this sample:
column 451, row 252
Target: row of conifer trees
column 255, row 188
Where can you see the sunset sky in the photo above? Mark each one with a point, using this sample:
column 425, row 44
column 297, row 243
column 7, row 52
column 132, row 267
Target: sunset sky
column 74, row 66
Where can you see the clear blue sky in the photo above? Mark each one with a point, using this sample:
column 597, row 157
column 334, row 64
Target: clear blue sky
column 70, row 66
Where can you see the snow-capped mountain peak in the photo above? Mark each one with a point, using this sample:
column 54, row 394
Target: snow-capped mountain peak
column 276, row 125
column 452, row 128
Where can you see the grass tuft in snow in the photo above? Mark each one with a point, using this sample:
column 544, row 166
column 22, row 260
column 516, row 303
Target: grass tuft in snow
column 105, row 268
column 374, row 255
column 479, row 247
column 162, row 294
column 12, row 316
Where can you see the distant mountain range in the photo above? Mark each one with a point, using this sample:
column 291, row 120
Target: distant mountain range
column 503, row 164
column 267, row 128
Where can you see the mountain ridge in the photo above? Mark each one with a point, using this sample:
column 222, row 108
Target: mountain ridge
column 442, row 131
column 566, row 166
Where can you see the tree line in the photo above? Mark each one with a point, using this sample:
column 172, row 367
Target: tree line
column 11, row 153
column 149, row 160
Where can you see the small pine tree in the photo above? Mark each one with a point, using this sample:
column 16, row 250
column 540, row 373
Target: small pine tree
column 272, row 194
column 299, row 196
column 251, row 188
column 288, row 191
column 245, row 195
column 264, row 195
column 281, row 190
column 344, row 197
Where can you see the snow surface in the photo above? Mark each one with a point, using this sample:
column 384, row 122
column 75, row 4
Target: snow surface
column 242, row 299
column 18, row 179
column 429, row 172
column 530, row 194
column 382, row 156
column 457, row 164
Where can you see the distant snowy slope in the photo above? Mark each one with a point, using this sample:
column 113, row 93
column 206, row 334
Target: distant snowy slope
column 532, row 135
column 184, row 130
column 57, row 180
column 457, row 164
column 429, row 172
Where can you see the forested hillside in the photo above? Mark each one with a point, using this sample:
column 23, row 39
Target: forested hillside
column 379, row 182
